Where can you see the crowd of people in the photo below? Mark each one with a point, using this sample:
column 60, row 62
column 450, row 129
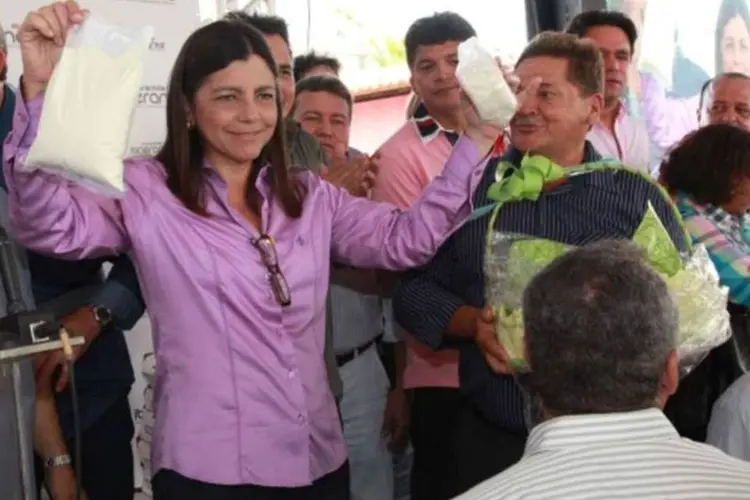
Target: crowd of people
column 319, row 313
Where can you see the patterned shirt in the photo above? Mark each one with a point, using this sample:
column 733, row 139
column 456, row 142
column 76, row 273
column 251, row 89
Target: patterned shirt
column 586, row 208
column 727, row 240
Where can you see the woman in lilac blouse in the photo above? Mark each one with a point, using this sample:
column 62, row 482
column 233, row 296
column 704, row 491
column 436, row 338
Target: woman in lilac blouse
column 233, row 254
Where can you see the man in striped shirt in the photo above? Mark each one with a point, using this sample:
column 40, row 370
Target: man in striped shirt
column 440, row 304
column 603, row 434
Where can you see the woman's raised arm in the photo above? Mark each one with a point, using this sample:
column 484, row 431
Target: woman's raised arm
column 379, row 235
column 50, row 214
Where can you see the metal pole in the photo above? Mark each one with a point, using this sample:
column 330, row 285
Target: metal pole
column 27, row 475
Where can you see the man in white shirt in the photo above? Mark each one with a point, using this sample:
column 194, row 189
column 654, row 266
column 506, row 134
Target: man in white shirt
column 618, row 135
column 601, row 336
column 729, row 428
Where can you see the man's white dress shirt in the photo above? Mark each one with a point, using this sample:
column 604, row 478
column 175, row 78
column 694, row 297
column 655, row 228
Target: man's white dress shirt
column 635, row 455
column 729, row 428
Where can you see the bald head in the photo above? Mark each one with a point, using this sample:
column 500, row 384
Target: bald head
column 728, row 100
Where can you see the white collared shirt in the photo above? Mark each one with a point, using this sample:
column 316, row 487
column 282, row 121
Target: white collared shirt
column 629, row 144
column 635, row 455
column 729, row 429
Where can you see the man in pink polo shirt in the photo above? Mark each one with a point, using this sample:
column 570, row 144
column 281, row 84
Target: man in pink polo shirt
column 409, row 160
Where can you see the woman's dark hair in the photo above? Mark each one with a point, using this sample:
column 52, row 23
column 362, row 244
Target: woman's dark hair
column 209, row 49
column 708, row 163
column 728, row 10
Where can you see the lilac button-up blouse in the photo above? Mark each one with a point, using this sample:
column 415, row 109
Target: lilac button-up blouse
column 241, row 394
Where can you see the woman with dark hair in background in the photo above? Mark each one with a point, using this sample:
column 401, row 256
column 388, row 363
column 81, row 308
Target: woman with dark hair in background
column 708, row 175
column 233, row 253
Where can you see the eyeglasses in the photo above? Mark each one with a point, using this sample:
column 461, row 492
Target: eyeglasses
column 267, row 248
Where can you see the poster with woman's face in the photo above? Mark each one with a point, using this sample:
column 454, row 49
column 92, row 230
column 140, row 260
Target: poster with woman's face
column 733, row 37
column 681, row 45
column 713, row 34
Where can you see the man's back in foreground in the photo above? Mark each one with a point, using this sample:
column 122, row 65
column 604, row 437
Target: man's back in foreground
column 600, row 335
column 617, row 455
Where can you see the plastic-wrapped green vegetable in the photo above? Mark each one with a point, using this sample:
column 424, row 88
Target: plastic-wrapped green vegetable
column 509, row 327
column 512, row 260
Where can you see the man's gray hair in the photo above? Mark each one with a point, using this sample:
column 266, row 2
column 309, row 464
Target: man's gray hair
column 3, row 43
column 599, row 325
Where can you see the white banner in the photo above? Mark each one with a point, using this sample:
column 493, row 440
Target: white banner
column 173, row 21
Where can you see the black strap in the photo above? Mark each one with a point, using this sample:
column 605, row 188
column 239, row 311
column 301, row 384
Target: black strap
column 342, row 359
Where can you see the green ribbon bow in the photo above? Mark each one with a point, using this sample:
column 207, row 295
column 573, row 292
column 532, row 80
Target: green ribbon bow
column 527, row 182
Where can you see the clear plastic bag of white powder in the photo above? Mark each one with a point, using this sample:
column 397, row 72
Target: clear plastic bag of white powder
column 89, row 104
column 483, row 81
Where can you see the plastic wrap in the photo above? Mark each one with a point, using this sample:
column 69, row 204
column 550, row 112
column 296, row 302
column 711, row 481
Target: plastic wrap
column 512, row 260
column 483, row 81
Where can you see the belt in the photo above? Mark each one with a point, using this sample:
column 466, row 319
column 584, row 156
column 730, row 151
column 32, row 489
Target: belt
column 342, row 359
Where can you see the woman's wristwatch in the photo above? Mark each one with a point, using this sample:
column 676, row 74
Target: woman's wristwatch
column 57, row 461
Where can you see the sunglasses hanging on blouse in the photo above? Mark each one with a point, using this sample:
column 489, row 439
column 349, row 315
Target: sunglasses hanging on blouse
column 267, row 249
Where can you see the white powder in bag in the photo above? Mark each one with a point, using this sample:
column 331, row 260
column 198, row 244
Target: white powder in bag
column 484, row 83
column 89, row 104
